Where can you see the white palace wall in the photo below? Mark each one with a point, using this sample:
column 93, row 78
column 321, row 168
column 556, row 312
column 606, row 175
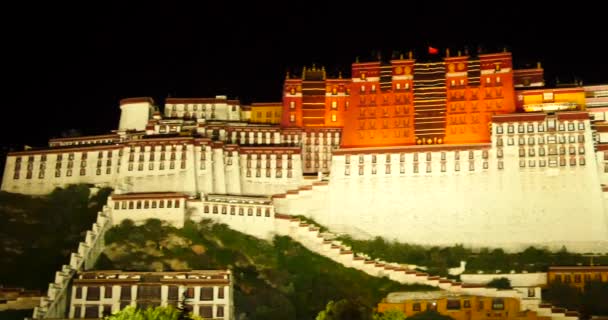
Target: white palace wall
column 496, row 198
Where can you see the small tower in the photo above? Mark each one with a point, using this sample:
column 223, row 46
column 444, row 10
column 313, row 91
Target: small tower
column 135, row 113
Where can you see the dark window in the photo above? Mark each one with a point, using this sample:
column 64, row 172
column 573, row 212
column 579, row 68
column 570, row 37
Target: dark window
column 107, row 292
column 558, row 278
column 78, row 292
column 91, row 312
column 93, row 294
column 219, row 313
column 467, row 303
column 107, row 310
column 148, row 293
column 577, row 277
column 206, row 312
column 453, row 305
column 173, row 293
column 567, row 278
column 190, row 293
column 77, row 312
column 498, row 304
column 125, row 293
column 206, row 293
column 220, row 292
column 416, row 306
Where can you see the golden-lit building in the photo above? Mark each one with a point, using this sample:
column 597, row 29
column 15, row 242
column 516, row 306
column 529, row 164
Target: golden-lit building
column 459, row 307
column 577, row 276
column 550, row 100
column 267, row 112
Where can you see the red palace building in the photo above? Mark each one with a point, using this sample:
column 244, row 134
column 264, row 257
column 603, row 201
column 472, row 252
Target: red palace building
column 404, row 101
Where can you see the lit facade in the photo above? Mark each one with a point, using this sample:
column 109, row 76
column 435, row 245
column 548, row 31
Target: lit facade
column 207, row 293
column 577, row 276
column 268, row 113
column 392, row 143
column 459, row 307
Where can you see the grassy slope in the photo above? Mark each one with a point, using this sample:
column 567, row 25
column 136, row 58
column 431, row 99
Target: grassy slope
column 278, row 280
column 37, row 234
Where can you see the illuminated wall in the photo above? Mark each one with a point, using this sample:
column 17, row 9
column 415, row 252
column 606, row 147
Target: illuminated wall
column 536, row 100
column 269, row 113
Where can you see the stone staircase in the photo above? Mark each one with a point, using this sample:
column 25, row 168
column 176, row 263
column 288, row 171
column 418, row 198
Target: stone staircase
column 324, row 243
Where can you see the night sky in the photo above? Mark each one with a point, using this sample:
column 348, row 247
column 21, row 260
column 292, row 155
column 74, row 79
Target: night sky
column 67, row 67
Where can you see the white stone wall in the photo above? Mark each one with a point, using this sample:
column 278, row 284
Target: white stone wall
column 135, row 116
column 217, row 110
column 534, row 279
column 55, row 304
column 171, row 210
column 40, row 173
column 253, row 217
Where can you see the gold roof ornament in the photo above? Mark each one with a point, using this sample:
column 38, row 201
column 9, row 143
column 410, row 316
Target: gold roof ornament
column 447, row 52
column 339, row 74
column 287, row 75
column 401, row 56
column 459, row 53
column 410, row 55
column 538, row 66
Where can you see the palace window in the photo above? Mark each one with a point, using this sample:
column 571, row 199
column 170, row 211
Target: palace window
column 531, row 152
column 531, row 141
column 532, row 163
column 453, row 304
column 334, row 105
column 402, row 168
column 581, row 126
column 541, row 151
column 572, row 150
column 510, row 129
column 570, row 126
column 581, row 161
column 499, row 129
column 457, row 166
column 443, row 166
column 500, row 165
column 498, row 304
column 522, row 152
column 562, row 150
column 388, row 169
column 542, row 163
column 428, row 156
column 521, row 141
column 520, row 128
column 428, row 168
column 541, row 127
column 562, row 161
column 510, row 141
column 471, row 165
column 561, row 127
column 415, row 167
column 499, row 153
column 581, row 138
column 334, row 118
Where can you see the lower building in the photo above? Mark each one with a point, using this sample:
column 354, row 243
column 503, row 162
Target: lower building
column 207, row 293
column 459, row 307
column 577, row 276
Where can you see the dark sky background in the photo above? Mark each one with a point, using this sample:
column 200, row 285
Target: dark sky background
column 66, row 67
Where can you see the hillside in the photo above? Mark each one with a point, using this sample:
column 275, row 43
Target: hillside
column 38, row 233
column 273, row 280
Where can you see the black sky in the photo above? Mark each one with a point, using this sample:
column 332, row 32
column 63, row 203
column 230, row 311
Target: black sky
column 66, row 67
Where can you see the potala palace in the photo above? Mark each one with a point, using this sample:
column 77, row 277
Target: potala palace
column 464, row 149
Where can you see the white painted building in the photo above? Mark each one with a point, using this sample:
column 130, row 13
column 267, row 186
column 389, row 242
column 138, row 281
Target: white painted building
column 518, row 190
column 207, row 293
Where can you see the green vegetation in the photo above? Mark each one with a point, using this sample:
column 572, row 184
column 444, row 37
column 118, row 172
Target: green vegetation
column 37, row 234
column 592, row 301
column 500, row 283
column 273, row 280
column 157, row 313
column 390, row 315
column 343, row 310
column 430, row 315
column 15, row 314
column 438, row 259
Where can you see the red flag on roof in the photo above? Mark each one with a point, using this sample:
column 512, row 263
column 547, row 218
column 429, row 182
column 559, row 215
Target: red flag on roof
column 433, row 50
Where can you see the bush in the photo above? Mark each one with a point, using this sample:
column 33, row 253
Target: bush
column 500, row 283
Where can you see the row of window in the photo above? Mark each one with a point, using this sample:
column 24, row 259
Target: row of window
column 241, row 210
column 292, row 117
column 552, row 151
column 428, row 156
column 578, row 278
column 552, row 162
column 308, row 164
column 68, row 173
column 146, row 204
column 541, row 127
column 161, row 166
column 195, row 107
column 416, row 168
column 278, row 173
column 163, row 148
column 258, row 164
column 162, row 156
column 541, row 140
column 92, row 311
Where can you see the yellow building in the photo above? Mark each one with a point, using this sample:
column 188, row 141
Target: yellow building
column 459, row 307
column 577, row 276
column 550, row 100
column 268, row 112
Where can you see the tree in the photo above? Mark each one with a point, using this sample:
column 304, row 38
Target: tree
column 390, row 315
column 500, row 283
column 343, row 310
column 157, row 313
